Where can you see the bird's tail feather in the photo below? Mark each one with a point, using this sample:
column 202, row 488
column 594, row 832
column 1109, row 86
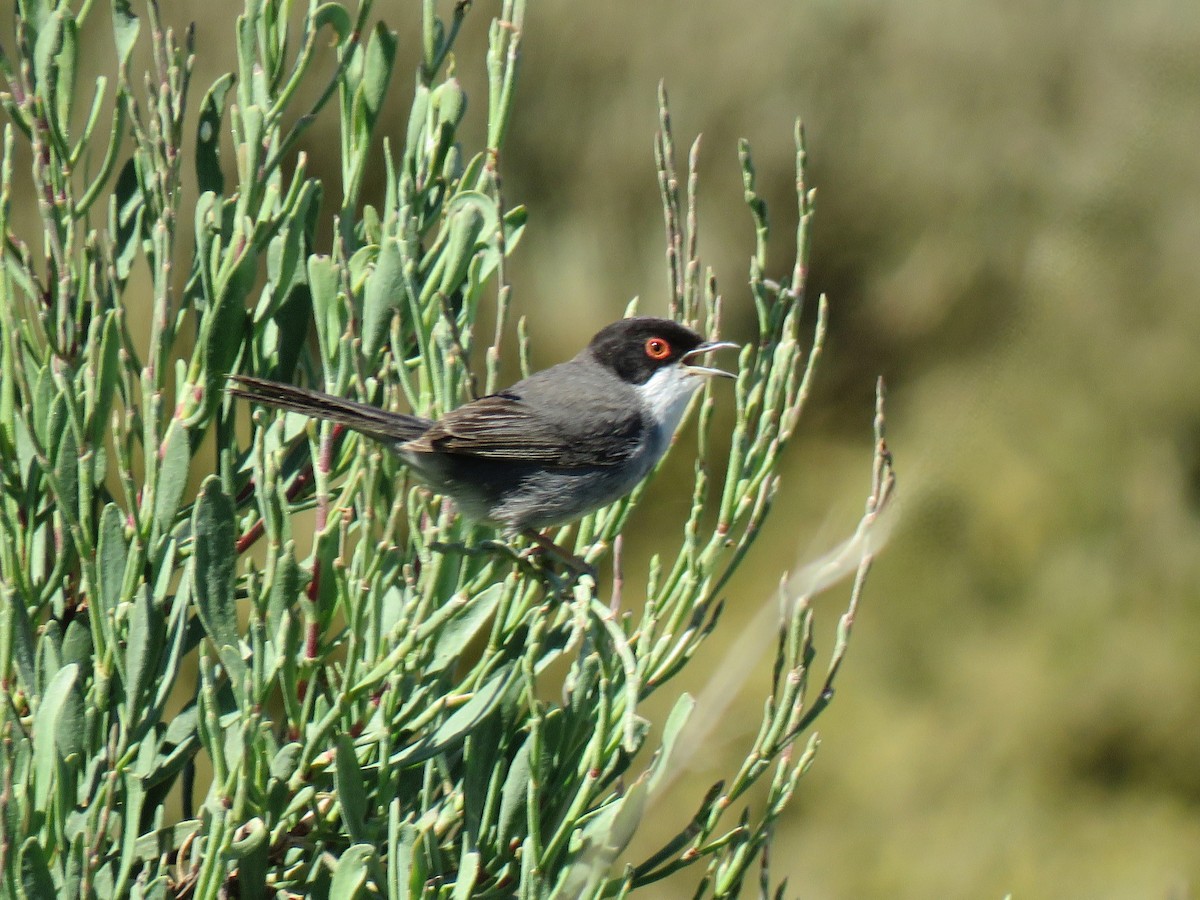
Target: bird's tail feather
column 384, row 426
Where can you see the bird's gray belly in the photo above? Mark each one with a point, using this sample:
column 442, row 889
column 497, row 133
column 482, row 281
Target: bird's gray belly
column 515, row 495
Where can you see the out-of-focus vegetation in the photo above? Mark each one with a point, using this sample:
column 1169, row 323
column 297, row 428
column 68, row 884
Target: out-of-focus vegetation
column 1007, row 229
column 311, row 678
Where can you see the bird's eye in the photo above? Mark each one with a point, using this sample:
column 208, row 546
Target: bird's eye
column 657, row 348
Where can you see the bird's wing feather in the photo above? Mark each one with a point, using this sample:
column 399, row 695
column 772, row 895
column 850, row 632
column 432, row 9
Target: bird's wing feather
column 504, row 426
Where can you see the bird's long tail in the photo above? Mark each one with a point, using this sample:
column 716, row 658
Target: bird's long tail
column 386, row 427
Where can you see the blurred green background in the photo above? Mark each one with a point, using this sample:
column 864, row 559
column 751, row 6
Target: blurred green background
column 1008, row 226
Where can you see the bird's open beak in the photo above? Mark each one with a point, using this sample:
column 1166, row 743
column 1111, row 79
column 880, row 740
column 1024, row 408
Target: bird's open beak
column 700, row 351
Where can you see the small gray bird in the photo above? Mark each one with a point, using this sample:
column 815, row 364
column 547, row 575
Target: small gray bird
column 553, row 447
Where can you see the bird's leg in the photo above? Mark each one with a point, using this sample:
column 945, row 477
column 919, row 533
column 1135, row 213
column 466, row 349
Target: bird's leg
column 570, row 560
column 484, row 549
column 524, row 558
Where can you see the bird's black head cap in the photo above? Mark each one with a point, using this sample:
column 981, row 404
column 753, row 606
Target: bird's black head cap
column 638, row 347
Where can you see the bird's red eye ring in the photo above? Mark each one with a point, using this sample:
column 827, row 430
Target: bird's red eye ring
column 657, row 348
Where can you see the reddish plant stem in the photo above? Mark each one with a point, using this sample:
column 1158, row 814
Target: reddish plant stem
column 297, row 487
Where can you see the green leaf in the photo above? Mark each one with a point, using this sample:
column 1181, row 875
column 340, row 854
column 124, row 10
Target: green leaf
column 323, row 283
column 24, row 649
column 470, row 215
column 251, row 853
column 77, row 646
column 245, row 28
column 385, row 293
column 360, row 135
column 46, row 49
column 45, row 733
column 125, row 29
column 64, row 62
column 92, row 119
column 174, row 634
column 328, row 548
column 473, row 171
column 284, row 763
column 75, row 854
column 452, row 732
column 372, row 232
column 292, row 321
column 335, row 16
column 235, row 668
column 251, row 147
column 144, row 645
column 214, row 563
column 125, row 219
column 111, row 152
column 105, row 385
column 418, row 116
column 209, row 176
column 70, row 734
column 66, row 470
column 676, row 721
column 360, row 266
column 453, row 638
column 583, row 680
column 224, row 326
column 377, row 71
column 351, row 872
column 284, row 271
column 351, row 793
column 179, row 744
column 515, row 793
column 600, row 841
column 35, row 872
column 482, row 751
column 514, row 227
column 206, row 226
column 133, row 801
column 448, row 103
column 285, row 587
column 400, row 855
column 468, row 872
column 283, row 254
column 43, row 409
column 35, row 13
column 112, row 553
column 49, row 653
column 172, row 477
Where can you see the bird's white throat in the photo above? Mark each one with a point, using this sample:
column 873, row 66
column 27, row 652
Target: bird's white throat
column 666, row 394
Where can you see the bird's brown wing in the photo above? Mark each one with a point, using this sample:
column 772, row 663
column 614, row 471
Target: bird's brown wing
column 504, row 427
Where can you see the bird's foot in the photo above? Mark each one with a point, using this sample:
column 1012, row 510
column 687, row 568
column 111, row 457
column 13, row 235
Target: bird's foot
column 532, row 559
column 484, row 549
column 543, row 545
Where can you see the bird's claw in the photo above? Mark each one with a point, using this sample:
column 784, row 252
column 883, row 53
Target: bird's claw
column 532, row 558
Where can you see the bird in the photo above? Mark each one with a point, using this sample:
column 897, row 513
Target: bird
column 556, row 445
